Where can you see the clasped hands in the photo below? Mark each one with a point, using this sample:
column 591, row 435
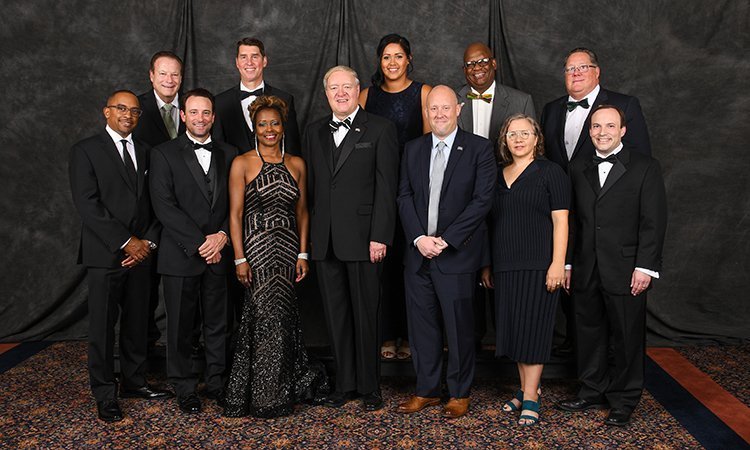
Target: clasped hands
column 211, row 248
column 136, row 250
column 431, row 246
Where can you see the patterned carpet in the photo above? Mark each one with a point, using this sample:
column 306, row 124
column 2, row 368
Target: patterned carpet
column 46, row 403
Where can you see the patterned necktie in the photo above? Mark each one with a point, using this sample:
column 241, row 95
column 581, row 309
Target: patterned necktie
column 129, row 165
column 583, row 104
column 486, row 97
column 436, row 184
column 346, row 123
column 166, row 115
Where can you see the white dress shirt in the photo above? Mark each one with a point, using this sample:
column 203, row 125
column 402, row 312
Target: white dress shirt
column 340, row 133
column 575, row 119
column 131, row 148
column 482, row 112
column 203, row 155
column 245, row 103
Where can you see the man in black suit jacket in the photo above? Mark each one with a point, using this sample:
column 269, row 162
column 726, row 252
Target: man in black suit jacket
column 620, row 215
column 445, row 193
column 487, row 104
column 108, row 180
column 565, row 123
column 352, row 161
column 233, row 123
column 190, row 196
column 160, row 122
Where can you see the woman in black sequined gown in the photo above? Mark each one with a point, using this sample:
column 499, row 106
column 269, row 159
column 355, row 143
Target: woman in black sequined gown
column 400, row 99
column 269, row 231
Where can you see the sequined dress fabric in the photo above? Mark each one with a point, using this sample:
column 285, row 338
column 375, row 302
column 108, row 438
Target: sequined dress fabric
column 270, row 369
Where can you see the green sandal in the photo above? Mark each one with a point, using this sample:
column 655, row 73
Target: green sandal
column 529, row 405
column 512, row 406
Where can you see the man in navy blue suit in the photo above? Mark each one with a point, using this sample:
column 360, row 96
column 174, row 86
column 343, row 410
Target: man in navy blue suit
column 445, row 192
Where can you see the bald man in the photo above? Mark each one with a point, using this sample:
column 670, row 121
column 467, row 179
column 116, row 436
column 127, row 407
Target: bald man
column 445, row 192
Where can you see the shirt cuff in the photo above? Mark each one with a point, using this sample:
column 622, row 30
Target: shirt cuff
column 417, row 239
column 126, row 243
column 650, row 273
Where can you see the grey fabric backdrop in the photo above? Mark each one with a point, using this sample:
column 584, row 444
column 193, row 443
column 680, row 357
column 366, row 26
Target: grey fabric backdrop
column 686, row 61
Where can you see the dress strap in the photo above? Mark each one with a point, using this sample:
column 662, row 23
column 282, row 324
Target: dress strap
column 259, row 155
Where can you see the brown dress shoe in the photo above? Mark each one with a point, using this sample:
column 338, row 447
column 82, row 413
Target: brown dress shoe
column 456, row 407
column 417, row 403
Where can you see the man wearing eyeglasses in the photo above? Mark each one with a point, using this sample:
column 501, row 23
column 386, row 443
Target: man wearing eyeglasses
column 487, row 104
column 108, row 180
column 565, row 123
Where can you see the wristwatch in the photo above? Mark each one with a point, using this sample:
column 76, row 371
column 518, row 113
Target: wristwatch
column 152, row 245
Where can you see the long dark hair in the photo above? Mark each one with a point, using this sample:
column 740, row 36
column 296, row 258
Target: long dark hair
column 393, row 38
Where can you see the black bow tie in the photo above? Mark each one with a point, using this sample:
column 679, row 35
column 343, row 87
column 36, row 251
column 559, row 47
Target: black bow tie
column 583, row 104
column 610, row 159
column 208, row 146
column 255, row 93
column 346, row 123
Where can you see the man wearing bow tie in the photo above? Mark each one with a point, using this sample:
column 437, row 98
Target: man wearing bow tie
column 565, row 123
column 352, row 163
column 486, row 102
column 190, row 198
column 233, row 123
column 619, row 224
column 445, row 192
column 486, row 105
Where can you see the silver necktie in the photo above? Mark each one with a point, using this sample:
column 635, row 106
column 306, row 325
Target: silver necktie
column 436, row 184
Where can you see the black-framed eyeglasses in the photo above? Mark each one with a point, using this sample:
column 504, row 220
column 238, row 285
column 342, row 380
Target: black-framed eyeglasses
column 478, row 63
column 583, row 68
column 122, row 109
column 523, row 134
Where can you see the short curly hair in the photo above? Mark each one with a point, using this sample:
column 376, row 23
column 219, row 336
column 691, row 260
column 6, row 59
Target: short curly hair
column 268, row 102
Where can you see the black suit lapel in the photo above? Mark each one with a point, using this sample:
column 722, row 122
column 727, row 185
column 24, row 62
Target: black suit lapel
column 156, row 115
column 114, row 154
column 242, row 122
column 591, row 172
column 456, row 153
column 218, row 161
column 188, row 154
column 617, row 171
column 424, row 165
column 326, row 145
column 140, row 156
column 355, row 133
column 562, row 114
column 600, row 99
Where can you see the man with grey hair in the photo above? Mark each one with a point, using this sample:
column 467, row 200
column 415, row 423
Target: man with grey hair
column 352, row 160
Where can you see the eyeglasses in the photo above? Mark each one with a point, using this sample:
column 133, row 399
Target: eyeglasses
column 478, row 63
column 122, row 109
column 523, row 134
column 583, row 68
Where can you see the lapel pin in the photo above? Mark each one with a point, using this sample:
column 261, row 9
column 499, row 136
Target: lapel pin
column 357, row 130
column 459, row 148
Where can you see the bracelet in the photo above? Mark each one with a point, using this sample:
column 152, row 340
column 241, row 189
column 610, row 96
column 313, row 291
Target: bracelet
column 304, row 256
column 237, row 262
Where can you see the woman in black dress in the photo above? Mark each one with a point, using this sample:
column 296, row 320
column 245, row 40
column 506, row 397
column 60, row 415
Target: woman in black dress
column 268, row 224
column 529, row 240
column 396, row 97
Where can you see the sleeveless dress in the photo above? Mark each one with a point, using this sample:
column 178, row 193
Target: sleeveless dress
column 270, row 370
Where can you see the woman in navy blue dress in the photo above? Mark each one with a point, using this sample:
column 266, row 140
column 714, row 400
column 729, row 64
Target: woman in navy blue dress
column 529, row 240
column 396, row 97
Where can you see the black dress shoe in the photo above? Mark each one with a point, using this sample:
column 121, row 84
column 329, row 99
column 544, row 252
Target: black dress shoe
column 337, row 399
column 190, row 404
column 109, row 411
column 618, row 418
column 217, row 394
column 372, row 401
column 147, row 392
column 579, row 404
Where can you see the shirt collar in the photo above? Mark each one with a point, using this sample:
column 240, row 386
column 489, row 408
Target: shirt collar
column 448, row 139
column 261, row 86
column 196, row 141
column 116, row 138
column 350, row 116
column 175, row 102
column 590, row 97
column 490, row 90
column 614, row 152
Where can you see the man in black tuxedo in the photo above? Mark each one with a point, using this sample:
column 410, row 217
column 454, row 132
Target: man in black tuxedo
column 190, row 197
column 565, row 123
column 487, row 104
column 620, row 211
column 352, row 162
column 160, row 122
column 445, row 193
column 233, row 123
column 108, row 180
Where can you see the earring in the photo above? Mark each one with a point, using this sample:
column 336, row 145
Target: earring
column 282, row 147
column 256, row 145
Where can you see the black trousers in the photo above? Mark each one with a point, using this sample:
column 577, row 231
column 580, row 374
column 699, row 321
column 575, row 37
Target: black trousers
column 605, row 320
column 431, row 294
column 184, row 296
column 112, row 291
column 351, row 304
